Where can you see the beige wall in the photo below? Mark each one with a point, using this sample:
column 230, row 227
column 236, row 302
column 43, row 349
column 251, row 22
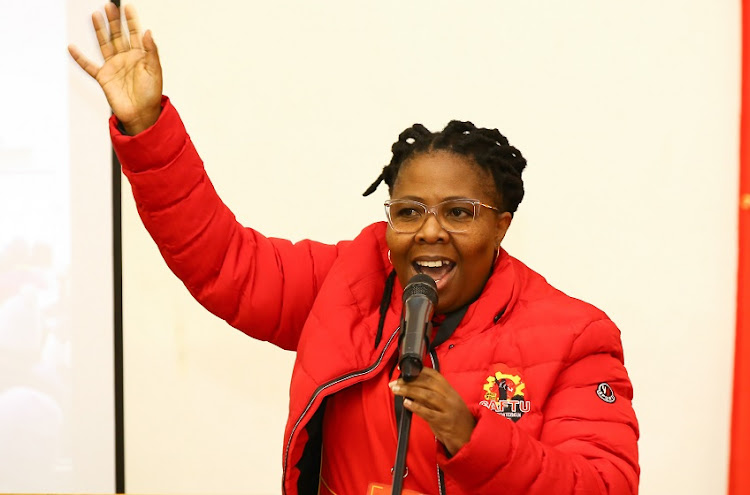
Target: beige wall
column 627, row 112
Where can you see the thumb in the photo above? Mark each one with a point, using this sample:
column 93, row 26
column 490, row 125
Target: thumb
column 152, row 53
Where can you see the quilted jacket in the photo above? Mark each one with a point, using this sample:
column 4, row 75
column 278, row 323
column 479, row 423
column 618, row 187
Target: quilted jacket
column 542, row 372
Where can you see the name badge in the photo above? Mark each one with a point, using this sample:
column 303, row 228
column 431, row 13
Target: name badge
column 378, row 489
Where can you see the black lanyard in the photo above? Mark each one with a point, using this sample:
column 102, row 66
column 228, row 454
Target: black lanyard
column 448, row 326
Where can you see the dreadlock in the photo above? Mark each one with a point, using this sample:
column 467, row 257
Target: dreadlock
column 486, row 147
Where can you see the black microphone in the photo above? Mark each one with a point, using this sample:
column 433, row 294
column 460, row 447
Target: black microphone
column 420, row 299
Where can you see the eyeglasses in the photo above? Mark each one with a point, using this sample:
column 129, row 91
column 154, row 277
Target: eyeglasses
column 407, row 216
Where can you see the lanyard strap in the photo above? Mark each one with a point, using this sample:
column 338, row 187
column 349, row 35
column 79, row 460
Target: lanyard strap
column 448, row 326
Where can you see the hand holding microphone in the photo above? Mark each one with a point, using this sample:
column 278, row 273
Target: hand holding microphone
column 427, row 393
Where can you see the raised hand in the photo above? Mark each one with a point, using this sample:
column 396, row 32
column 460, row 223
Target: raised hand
column 131, row 74
column 433, row 399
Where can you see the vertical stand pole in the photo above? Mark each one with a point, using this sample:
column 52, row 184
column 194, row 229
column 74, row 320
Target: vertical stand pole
column 404, row 427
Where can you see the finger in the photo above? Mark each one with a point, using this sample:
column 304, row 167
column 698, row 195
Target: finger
column 102, row 35
column 90, row 67
column 427, row 378
column 134, row 28
column 429, row 415
column 115, row 28
column 400, row 387
column 152, row 54
column 431, row 374
column 423, row 396
column 453, row 428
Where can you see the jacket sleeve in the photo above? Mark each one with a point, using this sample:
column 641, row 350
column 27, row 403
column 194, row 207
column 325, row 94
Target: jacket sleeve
column 587, row 445
column 264, row 287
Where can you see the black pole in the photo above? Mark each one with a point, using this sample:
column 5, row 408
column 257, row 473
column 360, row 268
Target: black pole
column 404, row 427
column 118, row 338
column 404, row 423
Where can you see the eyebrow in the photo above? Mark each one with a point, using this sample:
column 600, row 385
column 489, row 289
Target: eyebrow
column 449, row 198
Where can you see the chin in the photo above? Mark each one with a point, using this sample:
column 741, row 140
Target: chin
column 446, row 307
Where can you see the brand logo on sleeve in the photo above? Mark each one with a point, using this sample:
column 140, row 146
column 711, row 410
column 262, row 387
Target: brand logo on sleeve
column 505, row 393
column 605, row 393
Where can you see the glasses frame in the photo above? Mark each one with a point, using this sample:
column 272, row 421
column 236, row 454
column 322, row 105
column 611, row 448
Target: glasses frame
column 434, row 210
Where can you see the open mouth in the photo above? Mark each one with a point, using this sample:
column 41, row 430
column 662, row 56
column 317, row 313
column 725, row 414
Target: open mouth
column 435, row 269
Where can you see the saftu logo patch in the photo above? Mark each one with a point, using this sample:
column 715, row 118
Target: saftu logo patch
column 505, row 393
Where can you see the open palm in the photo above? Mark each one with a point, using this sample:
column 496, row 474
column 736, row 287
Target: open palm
column 131, row 74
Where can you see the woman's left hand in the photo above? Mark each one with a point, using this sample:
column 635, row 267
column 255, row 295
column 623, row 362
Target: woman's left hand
column 433, row 399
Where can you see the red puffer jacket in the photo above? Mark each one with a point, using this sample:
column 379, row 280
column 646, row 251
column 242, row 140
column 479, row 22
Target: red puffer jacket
column 542, row 372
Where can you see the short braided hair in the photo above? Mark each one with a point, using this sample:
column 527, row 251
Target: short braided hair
column 488, row 148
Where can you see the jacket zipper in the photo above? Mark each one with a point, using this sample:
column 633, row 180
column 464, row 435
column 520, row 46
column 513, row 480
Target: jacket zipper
column 318, row 391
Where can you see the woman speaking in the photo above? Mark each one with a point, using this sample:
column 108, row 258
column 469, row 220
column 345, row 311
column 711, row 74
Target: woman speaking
column 523, row 389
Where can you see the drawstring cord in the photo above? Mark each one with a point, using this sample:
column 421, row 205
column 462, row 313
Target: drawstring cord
column 384, row 303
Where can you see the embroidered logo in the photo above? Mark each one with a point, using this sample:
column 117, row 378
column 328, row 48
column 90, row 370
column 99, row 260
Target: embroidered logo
column 505, row 393
column 605, row 393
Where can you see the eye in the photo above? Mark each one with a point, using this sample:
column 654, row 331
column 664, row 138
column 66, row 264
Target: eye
column 460, row 211
column 406, row 212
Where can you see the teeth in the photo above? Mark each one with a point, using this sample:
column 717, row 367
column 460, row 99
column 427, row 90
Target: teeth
column 432, row 264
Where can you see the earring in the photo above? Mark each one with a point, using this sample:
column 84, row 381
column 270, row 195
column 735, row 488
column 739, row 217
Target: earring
column 389, row 257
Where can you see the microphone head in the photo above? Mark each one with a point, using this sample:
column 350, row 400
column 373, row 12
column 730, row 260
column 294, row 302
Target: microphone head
column 421, row 284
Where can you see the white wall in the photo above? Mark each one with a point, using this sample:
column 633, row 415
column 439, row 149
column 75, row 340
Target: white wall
column 626, row 111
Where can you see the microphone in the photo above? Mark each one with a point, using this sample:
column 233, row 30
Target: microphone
column 420, row 298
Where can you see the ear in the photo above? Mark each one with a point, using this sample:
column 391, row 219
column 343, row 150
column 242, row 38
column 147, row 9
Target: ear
column 501, row 227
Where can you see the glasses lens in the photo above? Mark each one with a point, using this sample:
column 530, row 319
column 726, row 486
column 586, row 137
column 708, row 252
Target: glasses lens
column 456, row 215
column 406, row 216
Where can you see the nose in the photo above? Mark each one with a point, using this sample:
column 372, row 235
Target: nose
column 431, row 231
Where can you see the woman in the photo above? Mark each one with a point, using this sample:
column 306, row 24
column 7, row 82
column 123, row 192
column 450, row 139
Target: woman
column 525, row 391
